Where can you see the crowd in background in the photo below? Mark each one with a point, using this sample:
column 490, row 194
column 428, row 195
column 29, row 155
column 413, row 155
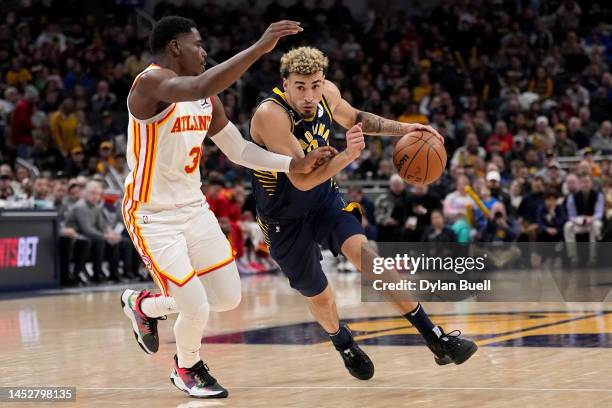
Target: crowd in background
column 515, row 87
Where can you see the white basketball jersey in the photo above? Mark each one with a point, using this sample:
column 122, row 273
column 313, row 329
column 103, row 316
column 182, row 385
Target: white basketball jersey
column 163, row 152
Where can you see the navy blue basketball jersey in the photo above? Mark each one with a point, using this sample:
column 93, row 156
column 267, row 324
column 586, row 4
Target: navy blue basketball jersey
column 275, row 196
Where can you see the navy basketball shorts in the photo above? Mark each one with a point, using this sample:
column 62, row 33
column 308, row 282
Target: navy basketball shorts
column 294, row 244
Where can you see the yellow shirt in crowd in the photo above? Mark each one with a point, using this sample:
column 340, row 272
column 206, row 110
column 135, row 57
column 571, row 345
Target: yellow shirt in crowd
column 64, row 131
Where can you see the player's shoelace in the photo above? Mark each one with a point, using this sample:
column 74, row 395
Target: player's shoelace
column 354, row 353
column 201, row 371
column 452, row 338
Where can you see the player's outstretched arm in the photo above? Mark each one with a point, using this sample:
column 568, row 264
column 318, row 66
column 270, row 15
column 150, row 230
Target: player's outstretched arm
column 373, row 125
column 164, row 85
column 271, row 127
column 228, row 138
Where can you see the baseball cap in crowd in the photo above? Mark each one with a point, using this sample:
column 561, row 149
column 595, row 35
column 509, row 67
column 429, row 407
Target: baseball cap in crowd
column 550, row 153
column 76, row 150
column 560, row 127
column 587, row 150
column 543, row 120
column 493, row 175
column 554, row 164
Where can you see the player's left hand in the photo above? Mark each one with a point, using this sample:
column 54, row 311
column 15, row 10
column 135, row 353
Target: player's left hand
column 411, row 127
column 314, row 159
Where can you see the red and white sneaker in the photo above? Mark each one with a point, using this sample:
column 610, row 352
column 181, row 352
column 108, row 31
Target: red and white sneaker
column 196, row 381
column 145, row 327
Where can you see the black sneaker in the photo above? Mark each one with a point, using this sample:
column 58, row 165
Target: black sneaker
column 144, row 327
column 450, row 348
column 357, row 362
column 197, row 381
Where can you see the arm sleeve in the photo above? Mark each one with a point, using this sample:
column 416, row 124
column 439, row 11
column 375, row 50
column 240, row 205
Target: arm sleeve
column 248, row 154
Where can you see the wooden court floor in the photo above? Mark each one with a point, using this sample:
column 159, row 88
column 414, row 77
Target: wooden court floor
column 269, row 353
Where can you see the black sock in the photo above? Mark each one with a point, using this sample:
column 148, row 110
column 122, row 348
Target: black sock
column 342, row 339
column 420, row 320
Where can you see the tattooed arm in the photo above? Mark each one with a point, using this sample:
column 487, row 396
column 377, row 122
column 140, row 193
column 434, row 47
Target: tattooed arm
column 372, row 124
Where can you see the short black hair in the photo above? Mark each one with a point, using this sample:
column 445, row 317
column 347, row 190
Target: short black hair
column 551, row 193
column 168, row 29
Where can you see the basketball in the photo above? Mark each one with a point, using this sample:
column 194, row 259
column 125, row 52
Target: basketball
column 419, row 158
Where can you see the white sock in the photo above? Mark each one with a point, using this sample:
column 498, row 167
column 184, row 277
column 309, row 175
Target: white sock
column 158, row 306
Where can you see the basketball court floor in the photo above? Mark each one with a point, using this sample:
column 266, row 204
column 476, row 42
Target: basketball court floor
column 269, row 353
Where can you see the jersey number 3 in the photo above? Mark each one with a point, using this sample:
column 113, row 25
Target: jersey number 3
column 196, row 153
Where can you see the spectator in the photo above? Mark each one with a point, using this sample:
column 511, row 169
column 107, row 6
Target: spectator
column 40, row 195
column 46, row 158
column 422, row 203
column 484, row 194
column 502, row 136
column 575, row 133
column 87, row 219
column 528, row 210
column 18, row 75
column 103, row 99
column 7, row 105
column 368, row 220
column 455, row 204
column 423, row 89
column 602, row 140
column 437, row 231
column 585, row 210
column 551, row 218
column 75, row 165
column 543, row 138
column 499, row 228
column 21, row 122
column 6, row 191
column 469, row 152
column 105, row 132
column 63, row 127
column 542, row 84
column 106, row 158
column 563, row 146
column 391, row 209
column 587, row 126
column 412, row 115
column 493, row 179
column 578, row 94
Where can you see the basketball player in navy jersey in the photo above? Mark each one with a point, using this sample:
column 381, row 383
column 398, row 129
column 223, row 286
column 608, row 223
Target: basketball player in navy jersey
column 299, row 212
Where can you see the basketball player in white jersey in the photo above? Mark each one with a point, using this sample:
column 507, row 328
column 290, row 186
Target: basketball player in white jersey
column 172, row 107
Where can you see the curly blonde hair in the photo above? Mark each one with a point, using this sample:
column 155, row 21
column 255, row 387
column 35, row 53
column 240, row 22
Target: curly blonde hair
column 303, row 60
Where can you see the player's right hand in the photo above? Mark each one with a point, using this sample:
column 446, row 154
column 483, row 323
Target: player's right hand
column 275, row 31
column 355, row 142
